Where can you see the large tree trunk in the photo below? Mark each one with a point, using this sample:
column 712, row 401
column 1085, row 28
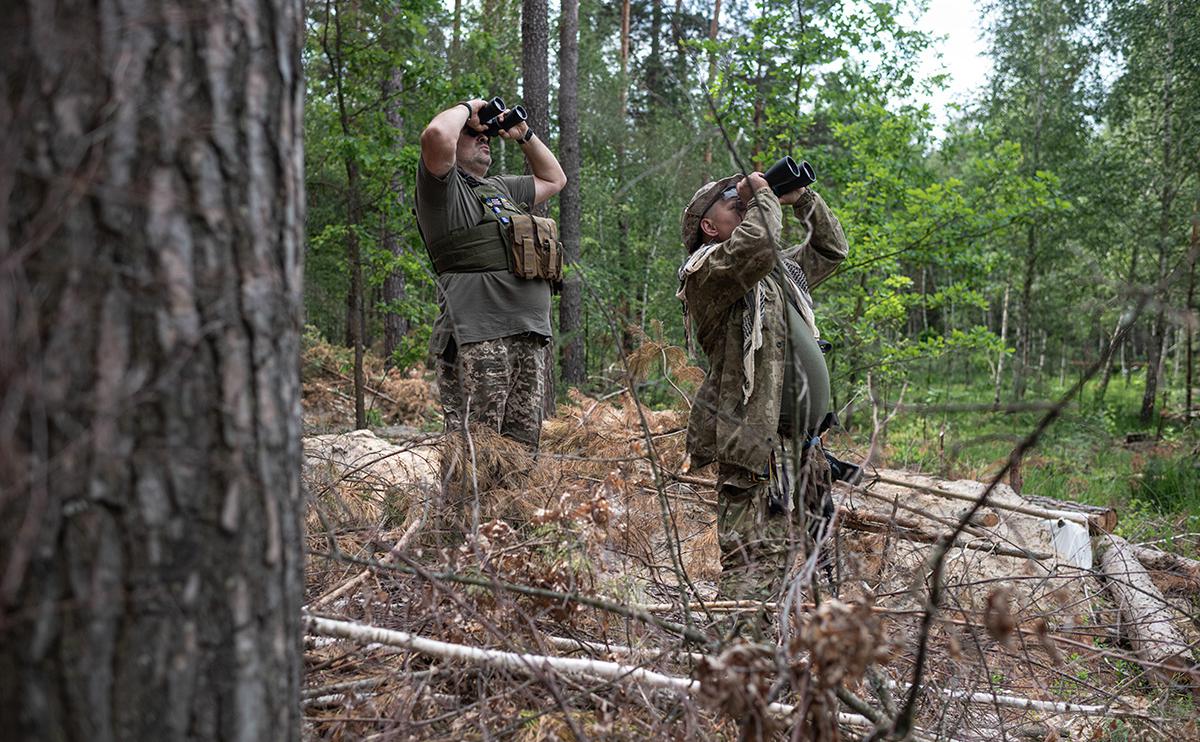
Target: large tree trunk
column 626, row 270
column 570, row 305
column 151, row 188
column 1025, row 318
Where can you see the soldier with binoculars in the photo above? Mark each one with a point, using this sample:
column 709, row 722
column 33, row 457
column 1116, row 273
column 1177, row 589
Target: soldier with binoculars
column 495, row 266
column 765, row 400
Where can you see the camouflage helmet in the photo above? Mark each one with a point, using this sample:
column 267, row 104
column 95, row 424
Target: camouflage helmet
column 708, row 194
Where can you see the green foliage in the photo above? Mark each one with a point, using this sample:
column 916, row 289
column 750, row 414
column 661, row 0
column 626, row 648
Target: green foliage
column 1169, row 485
column 1047, row 207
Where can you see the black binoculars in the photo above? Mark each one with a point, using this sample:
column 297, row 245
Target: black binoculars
column 494, row 122
column 786, row 176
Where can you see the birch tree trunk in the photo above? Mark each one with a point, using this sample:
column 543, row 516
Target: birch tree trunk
column 151, row 190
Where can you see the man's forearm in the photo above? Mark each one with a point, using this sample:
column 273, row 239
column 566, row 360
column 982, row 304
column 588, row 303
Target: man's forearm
column 825, row 246
column 439, row 140
column 548, row 175
column 542, row 162
column 825, row 233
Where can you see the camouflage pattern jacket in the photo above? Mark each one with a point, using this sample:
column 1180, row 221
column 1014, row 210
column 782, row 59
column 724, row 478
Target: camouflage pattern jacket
column 723, row 427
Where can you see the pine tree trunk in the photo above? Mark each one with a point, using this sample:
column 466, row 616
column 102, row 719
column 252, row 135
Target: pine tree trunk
column 1024, row 329
column 535, row 71
column 624, row 259
column 654, row 65
column 395, row 324
column 151, row 185
column 571, row 302
column 535, row 90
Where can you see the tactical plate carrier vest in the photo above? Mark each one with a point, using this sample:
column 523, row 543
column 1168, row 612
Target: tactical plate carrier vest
column 506, row 238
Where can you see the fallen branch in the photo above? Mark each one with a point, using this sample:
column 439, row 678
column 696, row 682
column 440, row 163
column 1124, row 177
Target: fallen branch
column 417, row 524
column 532, row 663
column 366, row 388
column 1146, row 616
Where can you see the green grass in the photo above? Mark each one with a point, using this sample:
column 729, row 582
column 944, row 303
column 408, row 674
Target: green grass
column 1083, row 456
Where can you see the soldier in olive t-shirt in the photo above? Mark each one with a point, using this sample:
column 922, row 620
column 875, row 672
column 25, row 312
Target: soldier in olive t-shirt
column 490, row 335
column 485, row 305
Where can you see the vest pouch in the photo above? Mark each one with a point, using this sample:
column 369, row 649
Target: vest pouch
column 524, row 247
column 550, row 258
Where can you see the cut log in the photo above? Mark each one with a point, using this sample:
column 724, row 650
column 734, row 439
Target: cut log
column 1146, row 617
column 1170, row 571
column 910, row 530
column 1103, row 519
column 1047, row 513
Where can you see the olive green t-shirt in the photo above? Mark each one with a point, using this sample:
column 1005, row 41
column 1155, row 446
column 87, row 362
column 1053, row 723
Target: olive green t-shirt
column 486, row 305
column 806, row 391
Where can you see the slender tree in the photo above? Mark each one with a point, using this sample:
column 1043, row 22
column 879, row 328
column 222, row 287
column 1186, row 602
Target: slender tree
column 535, row 69
column 355, row 303
column 152, row 193
column 571, row 304
column 395, row 324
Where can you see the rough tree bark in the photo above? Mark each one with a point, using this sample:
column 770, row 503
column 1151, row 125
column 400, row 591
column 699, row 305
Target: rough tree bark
column 570, row 305
column 151, row 188
column 535, row 90
column 535, row 71
column 395, row 324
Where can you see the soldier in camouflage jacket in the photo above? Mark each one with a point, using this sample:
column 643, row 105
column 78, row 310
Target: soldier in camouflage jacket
column 735, row 290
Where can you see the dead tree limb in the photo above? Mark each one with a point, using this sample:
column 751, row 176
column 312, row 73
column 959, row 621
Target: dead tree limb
column 1146, row 617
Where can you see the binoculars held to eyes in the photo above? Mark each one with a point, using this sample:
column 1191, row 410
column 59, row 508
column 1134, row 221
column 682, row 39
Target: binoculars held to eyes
column 493, row 120
column 786, row 176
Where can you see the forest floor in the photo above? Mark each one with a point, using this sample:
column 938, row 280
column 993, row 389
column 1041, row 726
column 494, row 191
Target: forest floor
column 603, row 552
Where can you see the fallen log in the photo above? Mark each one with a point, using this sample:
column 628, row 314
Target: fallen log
column 1169, row 570
column 1046, row 513
column 910, row 530
column 1101, row 519
column 1146, row 617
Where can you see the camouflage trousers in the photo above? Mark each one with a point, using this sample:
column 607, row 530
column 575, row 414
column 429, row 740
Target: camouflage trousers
column 497, row 384
column 759, row 521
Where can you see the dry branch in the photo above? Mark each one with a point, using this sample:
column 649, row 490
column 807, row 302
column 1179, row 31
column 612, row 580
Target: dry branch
column 532, row 663
column 1146, row 616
